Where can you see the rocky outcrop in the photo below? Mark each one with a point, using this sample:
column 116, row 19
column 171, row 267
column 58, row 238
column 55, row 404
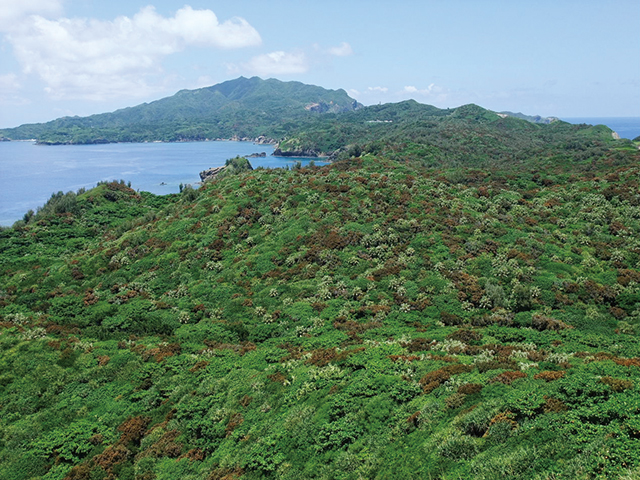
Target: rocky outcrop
column 210, row 174
column 257, row 155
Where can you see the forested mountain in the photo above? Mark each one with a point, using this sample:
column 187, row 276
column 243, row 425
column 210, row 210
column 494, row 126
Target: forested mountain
column 244, row 107
column 457, row 296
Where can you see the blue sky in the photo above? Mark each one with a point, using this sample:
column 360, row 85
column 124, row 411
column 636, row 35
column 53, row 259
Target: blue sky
column 563, row 57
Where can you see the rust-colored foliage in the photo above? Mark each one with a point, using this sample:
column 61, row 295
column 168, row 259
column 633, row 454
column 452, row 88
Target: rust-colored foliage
column 627, row 276
column 277, row 377
column 433, row 380
column 199, row 366
column 79, row 472
column 353, row 328
column 418, row 345
column 627, row 362
column 503, row 417
column 414, row 419
column 450, row 319
column 90, row 298
column 133, row 429
column 404, row 358
column 470, row 388
column 162, row 352
column 617, row 384
column 553, row 405
column 549, row 375
column 166, row 446
column 111, row 456
column 465, row 335
column 543, row 322
column 508, row 377
column 103, row 360
column 195, row 455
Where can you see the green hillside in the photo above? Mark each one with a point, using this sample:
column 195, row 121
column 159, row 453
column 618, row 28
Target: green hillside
column 468, row 135
column 375, row 318
column 244, row 107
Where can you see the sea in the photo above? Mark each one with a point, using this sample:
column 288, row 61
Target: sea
column 626, row 127
column 30, row 173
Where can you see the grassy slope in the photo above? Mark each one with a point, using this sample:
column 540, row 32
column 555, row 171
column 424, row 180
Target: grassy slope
column 370, row 319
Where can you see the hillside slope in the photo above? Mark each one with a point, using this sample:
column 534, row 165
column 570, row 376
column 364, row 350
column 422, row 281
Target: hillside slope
column 367, row 319
column 244, row 107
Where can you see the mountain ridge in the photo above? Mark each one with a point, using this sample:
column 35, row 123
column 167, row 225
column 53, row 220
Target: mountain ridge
column 244, row 107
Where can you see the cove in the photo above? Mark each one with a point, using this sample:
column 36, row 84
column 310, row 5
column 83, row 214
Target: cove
column 30, row 173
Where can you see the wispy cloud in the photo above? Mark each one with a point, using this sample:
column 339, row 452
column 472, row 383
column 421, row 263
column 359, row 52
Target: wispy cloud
column 343, row 50
column 9, row 83
column 94, row 59
column 378, row 89
column 433, row 93
column 274, row 63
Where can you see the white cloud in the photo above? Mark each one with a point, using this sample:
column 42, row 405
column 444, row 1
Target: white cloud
column 378, row 89
column 12, row 11
column 432, row 89
column 432, row 93
column 343, row 50
column 274, row 63
column 94, row 59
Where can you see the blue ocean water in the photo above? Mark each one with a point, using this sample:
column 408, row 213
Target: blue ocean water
column 30, row 173
column 626, row 127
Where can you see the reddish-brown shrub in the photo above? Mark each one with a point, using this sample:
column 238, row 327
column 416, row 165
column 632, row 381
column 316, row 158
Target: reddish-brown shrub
column 470, row 388
column 549, row 375
column 508, row 377
column 111, row 456
column 433, row 380
column 553, row 405
column 465, row 335
column 543, row 322
column 133, row 429
column 199, row 366
column 617, row 384
column 103, row 360
column 627, row 362
column 414, row 419
column 504, row 417
column 450, row 319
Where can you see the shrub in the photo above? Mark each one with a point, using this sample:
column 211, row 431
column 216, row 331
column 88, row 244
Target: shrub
column 549, row 375
column 508, row 377
column 617, row 385
column 433, row 380
column 543, row 322
column 459, row 447
column 470, row 388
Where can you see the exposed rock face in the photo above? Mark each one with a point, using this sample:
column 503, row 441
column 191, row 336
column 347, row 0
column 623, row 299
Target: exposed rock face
column 210, row 174
column 257, row 155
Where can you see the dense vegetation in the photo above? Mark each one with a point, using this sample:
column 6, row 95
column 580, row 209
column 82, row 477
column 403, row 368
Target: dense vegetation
column 392, row 315
column 242, row 108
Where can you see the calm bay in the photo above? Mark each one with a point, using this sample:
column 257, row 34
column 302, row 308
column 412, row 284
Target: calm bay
column 30, row 173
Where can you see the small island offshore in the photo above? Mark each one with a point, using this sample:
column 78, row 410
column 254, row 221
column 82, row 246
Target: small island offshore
column 456, row 295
